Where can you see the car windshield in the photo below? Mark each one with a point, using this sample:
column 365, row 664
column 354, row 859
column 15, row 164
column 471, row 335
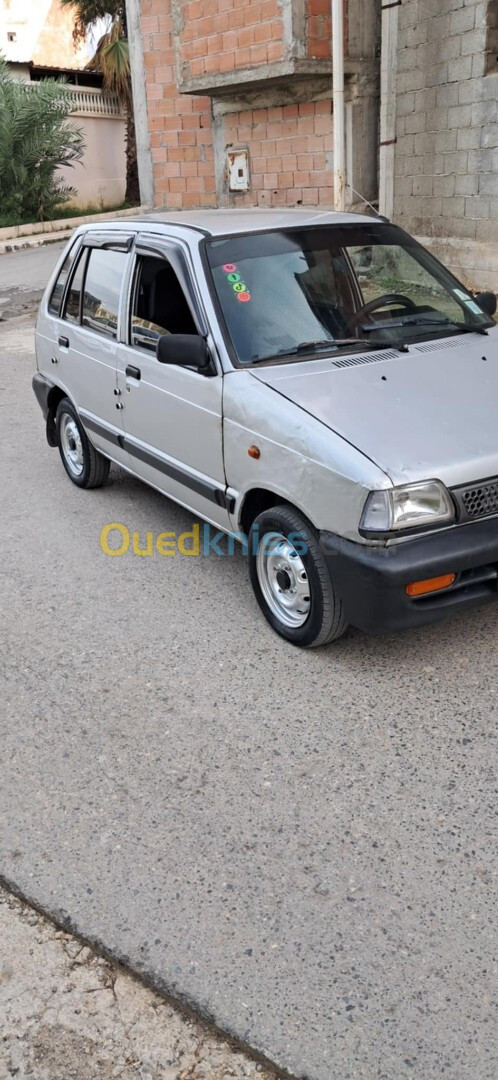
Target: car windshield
column 297, row 291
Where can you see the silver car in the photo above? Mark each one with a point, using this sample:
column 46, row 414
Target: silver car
column 315, row 384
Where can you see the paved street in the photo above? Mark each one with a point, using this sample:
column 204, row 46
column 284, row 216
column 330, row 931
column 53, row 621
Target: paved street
column 301, row 845
column 23, row 276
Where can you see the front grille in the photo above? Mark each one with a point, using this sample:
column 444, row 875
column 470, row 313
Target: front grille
column 480, row 500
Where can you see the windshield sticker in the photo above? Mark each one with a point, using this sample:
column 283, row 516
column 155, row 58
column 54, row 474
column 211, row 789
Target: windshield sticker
column 239, row 287
column 462, row 295
column 473, row 307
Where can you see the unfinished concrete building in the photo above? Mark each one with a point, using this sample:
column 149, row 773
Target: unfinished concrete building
column 235, row 107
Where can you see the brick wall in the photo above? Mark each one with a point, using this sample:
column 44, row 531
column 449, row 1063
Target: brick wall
column 318, row 33
column 217, row 36
column 180, row 125
column 290, row 150
column 223, row 35
column 254, row 74
column 289, row 144
column 446, row 182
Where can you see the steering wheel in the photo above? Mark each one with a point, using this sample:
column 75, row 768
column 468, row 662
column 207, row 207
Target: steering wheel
column 384, row 301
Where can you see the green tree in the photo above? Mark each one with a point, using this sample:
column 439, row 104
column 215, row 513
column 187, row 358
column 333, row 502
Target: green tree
column 36, row 141
column 112, row 59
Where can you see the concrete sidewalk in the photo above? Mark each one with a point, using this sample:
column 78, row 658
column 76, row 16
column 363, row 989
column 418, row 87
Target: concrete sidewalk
column 21, row 237
column 67, row 1014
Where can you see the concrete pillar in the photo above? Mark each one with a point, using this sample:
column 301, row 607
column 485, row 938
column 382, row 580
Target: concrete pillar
column 137, row 67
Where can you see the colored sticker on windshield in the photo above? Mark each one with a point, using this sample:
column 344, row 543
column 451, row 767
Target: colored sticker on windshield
column 235, row 280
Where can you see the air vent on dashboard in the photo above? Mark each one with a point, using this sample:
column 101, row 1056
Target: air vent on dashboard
column 369, row 358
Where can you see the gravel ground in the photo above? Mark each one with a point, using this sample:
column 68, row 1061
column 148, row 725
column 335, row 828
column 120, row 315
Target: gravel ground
column 67, row 1013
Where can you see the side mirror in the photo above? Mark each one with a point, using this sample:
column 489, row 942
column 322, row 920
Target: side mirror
column 184, row 350
column 487, row 301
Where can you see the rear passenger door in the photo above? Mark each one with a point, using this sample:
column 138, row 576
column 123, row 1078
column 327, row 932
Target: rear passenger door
column 87, row 336
column 172, row 415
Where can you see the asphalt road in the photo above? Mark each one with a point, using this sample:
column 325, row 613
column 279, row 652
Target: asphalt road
column 300, row 844
column 23, row 276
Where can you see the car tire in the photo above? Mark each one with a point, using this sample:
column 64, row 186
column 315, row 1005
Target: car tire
column 291, row 580
column 85, row 465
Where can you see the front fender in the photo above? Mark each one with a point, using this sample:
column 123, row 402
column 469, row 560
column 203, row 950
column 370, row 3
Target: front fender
column 300, row 460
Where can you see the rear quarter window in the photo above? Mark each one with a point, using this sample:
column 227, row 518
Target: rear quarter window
column 73, row 295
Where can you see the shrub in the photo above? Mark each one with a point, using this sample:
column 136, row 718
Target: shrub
column 36, row 141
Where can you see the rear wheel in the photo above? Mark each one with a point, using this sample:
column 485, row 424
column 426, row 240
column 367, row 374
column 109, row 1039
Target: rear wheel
column 291, row 580
column 85, row 465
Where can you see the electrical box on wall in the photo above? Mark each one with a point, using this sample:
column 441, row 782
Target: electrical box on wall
column 238, row 170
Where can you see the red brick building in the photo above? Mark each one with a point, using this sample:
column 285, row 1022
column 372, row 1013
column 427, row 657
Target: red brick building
column 237, row 108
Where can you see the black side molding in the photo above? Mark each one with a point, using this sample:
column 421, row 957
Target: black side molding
column 105, row 433
column 208, row 491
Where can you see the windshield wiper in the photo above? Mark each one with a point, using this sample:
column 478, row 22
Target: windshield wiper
column 334, row 343
column 420, row 321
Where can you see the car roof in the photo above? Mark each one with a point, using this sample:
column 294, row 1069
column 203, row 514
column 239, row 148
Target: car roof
column 228, row 222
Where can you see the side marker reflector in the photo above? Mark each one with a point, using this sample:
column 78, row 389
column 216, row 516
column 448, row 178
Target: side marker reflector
column 435, row 584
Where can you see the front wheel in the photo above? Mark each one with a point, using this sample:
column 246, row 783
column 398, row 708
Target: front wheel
column 291, row 580
column 85, row 466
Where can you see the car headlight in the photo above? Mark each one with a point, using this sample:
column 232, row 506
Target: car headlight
column 413, row 506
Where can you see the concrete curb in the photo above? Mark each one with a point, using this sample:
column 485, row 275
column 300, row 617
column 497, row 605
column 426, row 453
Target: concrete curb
column 33, row 242
column 19, row 237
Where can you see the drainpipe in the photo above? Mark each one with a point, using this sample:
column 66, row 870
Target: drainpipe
column 388, row 74
column 338, row 104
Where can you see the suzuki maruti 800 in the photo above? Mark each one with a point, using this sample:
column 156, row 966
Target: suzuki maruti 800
column 316, row 382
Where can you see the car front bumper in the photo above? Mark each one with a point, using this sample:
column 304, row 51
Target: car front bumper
column 372, row 580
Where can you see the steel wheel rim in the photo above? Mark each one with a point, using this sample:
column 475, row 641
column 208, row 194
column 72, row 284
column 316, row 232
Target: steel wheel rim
column 283, row 580
column 72, row 447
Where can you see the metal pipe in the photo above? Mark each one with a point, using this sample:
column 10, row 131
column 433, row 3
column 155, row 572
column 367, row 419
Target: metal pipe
column 388, row 74
column 338, row 104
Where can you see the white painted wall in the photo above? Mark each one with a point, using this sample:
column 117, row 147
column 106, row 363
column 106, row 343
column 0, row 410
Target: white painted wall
column 100, row 178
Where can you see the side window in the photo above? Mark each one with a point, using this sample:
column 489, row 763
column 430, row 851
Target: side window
column 158, row 304
column 54, row 304
column 73, row 297
column 102, row 290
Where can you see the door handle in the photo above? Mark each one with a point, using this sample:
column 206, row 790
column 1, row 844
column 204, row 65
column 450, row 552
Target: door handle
column 64, row 341
column 133, row 372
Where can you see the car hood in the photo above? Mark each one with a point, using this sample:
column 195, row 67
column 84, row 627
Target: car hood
column 429, row 413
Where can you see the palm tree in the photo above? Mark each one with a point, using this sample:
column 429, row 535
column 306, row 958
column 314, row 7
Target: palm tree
column 112, row 59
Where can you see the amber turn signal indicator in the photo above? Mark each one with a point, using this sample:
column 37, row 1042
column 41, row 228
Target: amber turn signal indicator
column 421, row 588
column 254, row 452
